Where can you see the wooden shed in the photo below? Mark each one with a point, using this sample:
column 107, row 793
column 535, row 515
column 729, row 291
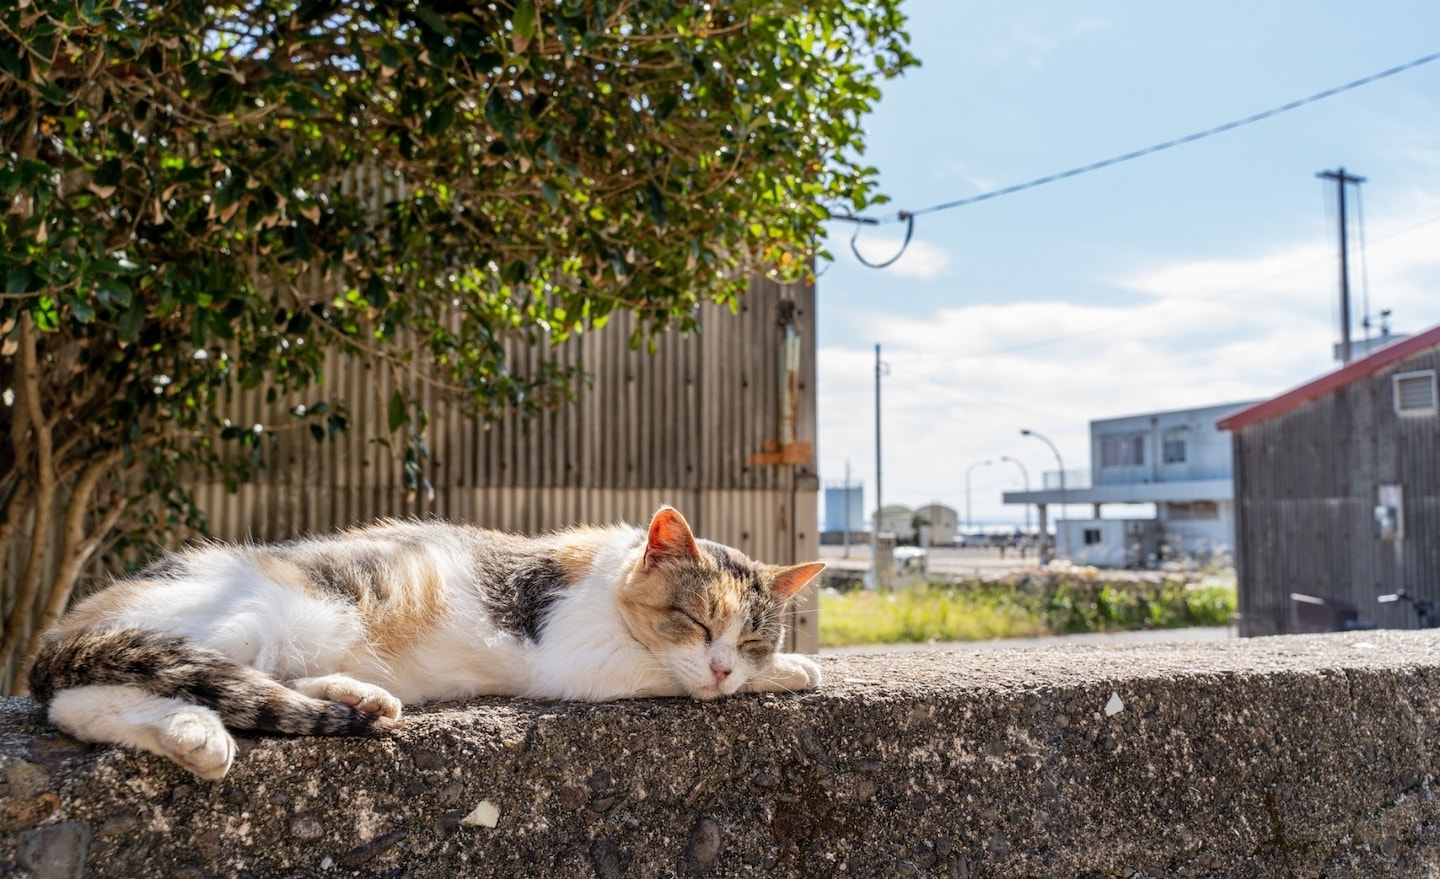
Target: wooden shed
column 1337, row 491
column 719, row 424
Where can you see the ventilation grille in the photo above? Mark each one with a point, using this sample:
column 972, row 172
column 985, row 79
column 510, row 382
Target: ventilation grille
column 1415, row 393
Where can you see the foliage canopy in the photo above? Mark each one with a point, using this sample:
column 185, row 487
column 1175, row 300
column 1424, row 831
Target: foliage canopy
column 174, row 174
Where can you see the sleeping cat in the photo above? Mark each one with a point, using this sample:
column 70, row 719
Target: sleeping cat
column 331, row 635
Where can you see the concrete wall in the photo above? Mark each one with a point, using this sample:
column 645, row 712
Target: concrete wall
column 1300, row 756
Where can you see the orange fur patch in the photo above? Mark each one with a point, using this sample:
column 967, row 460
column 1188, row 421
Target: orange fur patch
column 414, row 606
column 576, row 552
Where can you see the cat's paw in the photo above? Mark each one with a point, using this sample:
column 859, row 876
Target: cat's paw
column 789, row 673
column 348, row 691
column 197, row 740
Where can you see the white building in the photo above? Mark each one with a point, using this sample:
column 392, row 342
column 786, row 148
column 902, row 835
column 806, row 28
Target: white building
column 938, row 524
column 1177, row 461
column 899, row 520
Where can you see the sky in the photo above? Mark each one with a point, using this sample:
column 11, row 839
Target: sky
column 1200, row 275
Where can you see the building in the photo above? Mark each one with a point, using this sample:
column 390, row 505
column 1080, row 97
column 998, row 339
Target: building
column 1178, row 461
column 937, row 524
column 899, row 520
column 1337, row 486
column 844, row 509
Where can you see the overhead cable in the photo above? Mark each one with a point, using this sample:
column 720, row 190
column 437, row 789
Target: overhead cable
column 908, row 217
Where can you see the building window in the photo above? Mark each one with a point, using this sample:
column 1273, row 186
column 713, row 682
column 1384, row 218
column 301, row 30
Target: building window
column 1122, row 451
column 1415, row 393
column 1193, row 510
column 1092, row 536
column 1174, row 451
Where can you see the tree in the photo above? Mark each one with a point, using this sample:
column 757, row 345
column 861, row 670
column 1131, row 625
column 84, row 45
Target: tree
column 173, row 170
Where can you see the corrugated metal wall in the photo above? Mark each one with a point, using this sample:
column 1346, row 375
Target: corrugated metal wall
column 675, row 427
column 1307, row 482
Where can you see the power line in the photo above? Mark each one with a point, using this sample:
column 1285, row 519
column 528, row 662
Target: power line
column 908, row 217
column 1160, row 311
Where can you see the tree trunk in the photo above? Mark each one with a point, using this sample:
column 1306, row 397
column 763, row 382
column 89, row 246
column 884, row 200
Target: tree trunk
column 28, row 412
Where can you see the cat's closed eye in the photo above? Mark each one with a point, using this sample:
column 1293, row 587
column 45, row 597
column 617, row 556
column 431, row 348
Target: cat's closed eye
column 693, row 621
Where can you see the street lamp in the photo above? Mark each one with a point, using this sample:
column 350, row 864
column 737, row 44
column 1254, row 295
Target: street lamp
column 1065, row 540
column 1024, row 474
column 969, row 519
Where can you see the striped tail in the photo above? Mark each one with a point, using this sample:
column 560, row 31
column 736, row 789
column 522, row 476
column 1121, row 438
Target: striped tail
column 167, row 665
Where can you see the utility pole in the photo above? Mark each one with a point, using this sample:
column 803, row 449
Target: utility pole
column 1341, row 178
column 847, row 508
column 879, row 504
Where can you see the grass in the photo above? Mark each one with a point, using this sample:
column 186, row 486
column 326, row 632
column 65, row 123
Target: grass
column 1027, row 604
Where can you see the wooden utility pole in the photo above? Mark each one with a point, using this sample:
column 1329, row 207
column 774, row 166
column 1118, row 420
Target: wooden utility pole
column 1341, row 178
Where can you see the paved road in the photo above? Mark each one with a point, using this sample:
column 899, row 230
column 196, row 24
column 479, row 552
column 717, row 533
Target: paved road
column 941, row 560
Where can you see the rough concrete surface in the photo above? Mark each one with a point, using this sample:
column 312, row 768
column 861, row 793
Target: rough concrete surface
column 1299, row 756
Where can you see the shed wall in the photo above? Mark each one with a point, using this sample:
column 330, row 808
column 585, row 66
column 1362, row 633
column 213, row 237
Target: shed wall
column 1307, row 482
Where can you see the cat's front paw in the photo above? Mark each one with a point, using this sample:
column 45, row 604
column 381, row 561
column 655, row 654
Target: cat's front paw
column 789, row 673
column 348, row 691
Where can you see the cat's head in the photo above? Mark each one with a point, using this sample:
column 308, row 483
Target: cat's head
column 711, row 616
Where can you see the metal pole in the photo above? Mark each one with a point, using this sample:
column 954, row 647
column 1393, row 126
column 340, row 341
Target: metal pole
column 969, row 519
column 847, row 508
column 879, row 503
column 1024, row 474
column 1341, row 178
column 1059, row 520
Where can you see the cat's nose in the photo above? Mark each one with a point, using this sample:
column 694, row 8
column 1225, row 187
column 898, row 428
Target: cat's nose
column 720, row 670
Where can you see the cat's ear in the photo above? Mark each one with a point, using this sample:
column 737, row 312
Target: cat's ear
column 670, row 538
column 791, row 580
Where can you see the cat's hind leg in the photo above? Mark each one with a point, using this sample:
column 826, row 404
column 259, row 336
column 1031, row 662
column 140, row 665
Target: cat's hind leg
column 789, row 673
column 190, row 734
column 348, row 691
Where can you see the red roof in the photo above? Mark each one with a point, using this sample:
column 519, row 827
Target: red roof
column 1331, row 381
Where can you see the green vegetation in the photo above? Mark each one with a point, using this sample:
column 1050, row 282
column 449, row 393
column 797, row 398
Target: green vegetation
column 1028, row 604
column 464, row 177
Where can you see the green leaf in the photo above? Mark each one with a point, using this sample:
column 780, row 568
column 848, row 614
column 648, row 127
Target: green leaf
column 127, row 328
column 524, row 25
column 432, row 19
column 397, row 411
column 84, row 312
column 19, row 278
column 108, row 173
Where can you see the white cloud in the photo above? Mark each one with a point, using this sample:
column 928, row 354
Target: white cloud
column 964, row 380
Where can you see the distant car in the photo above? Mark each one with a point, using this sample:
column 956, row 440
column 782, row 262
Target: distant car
column 910, row 558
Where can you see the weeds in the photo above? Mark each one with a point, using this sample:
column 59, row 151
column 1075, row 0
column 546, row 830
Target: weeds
column 1038, row 602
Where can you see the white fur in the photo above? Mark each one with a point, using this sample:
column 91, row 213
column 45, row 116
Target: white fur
column 586, row 652
column 318, row 646
column 229, row 606
column 191, row 735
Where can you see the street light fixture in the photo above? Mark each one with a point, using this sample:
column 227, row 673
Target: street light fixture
column 1024, row 474
column 969, row 519
column 1064, row 539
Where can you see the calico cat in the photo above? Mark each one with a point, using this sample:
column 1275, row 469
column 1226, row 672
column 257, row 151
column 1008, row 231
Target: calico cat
column 332, row 635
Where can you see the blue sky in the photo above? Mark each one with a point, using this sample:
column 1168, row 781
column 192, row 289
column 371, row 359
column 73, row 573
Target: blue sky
column 1196, row 276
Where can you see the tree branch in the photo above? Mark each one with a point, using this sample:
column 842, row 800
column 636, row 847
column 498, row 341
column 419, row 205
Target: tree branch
column 77, row 546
